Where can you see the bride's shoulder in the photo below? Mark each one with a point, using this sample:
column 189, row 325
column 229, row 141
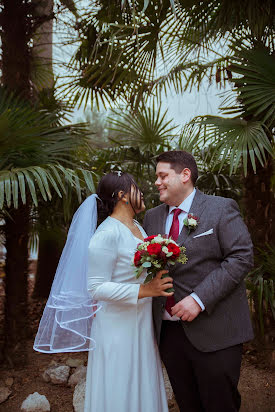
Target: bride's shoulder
column 107, row 233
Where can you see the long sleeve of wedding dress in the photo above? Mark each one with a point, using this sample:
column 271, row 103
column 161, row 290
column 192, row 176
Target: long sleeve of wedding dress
column 103, row 255
column 124, row 371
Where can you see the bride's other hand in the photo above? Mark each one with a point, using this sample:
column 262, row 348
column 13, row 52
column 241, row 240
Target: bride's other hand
column 157, row 286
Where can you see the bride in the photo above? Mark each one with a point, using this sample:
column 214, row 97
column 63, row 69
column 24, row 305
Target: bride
column 97, row 304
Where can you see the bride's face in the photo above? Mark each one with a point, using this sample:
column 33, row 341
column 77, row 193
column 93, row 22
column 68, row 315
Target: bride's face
column 136, row 199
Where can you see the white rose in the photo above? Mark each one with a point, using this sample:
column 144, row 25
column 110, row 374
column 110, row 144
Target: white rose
column 158, row 239
column 192, row 222
column 165, row 249
column 171, row 241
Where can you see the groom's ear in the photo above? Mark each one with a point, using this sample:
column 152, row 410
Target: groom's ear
column 185, row 175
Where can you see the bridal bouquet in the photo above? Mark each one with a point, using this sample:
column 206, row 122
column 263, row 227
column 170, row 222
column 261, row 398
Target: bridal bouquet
column 156, row 253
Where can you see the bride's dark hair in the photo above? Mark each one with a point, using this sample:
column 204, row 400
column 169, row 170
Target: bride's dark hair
column 108, row 188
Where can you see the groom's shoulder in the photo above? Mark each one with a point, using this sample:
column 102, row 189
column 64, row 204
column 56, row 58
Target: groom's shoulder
column 156, row 209
column 219, row 201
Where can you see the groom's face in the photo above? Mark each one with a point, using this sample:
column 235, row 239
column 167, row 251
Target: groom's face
column 170, row 184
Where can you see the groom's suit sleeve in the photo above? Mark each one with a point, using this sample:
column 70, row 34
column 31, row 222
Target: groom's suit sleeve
column 237, row 257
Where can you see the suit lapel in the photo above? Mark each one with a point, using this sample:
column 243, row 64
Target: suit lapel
column 196, row 209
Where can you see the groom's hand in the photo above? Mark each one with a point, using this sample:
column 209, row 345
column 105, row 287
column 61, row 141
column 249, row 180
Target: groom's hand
column 187, row 309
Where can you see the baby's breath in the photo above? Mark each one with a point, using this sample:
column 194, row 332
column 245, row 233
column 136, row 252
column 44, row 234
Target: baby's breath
column 143, row 246
column 182, row 259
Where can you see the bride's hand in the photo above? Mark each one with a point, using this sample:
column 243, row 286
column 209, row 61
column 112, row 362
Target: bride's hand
column 156, row 287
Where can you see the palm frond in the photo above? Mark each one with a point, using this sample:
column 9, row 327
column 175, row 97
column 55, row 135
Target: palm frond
column 236, row 138
column 213, row 179
column 119, row 49
column 117, row 55
column 207, row 22
column 260, row 283
column 146, row 4
column 37, row 154
column 71, row 6
column 135, row 139
column 16, row 184
column 255, row 81
column 30, row 136
column 146, row 128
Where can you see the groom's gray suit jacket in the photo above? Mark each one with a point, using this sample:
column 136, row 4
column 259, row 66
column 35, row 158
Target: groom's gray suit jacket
column 215, row 271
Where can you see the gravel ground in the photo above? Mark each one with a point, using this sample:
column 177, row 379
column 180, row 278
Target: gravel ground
column 256, row 385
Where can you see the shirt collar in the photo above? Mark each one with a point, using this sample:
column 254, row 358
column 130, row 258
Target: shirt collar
column 186, row 204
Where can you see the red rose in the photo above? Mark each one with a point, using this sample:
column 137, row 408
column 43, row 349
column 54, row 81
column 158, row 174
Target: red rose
column 154, row 249
column 190, row 216
column 149, row 238
column 137, row 258
column 174, row 249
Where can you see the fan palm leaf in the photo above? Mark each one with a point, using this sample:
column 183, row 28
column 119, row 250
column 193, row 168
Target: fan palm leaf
column 117, row 57
column 212, row 20
column 117, row 54
column 260, row 283
column 38, row 181
column 35, row 155
column 255, row 68
column 148, row 128
column 135, row 139
column 240, row 140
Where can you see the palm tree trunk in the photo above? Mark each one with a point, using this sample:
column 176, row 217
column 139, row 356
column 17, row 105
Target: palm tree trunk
column 16, row 24
column 43, row 42
column 50, row 249
column 16, row 285
column 48, row 243
column 258, row 199
column 15, row 48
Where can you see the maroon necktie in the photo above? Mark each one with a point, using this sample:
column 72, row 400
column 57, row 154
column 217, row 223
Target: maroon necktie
column 174, row 233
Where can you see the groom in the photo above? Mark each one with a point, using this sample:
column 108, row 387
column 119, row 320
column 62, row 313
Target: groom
column 200, row 330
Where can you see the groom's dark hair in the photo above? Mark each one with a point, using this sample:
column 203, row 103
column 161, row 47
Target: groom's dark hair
column 179, row 160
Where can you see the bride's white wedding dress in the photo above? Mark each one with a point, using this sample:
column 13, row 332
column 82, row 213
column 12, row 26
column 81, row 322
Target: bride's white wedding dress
column 124, row 372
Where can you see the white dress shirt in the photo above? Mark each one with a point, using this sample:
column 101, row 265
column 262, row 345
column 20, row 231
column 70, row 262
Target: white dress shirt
column 185, row 207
